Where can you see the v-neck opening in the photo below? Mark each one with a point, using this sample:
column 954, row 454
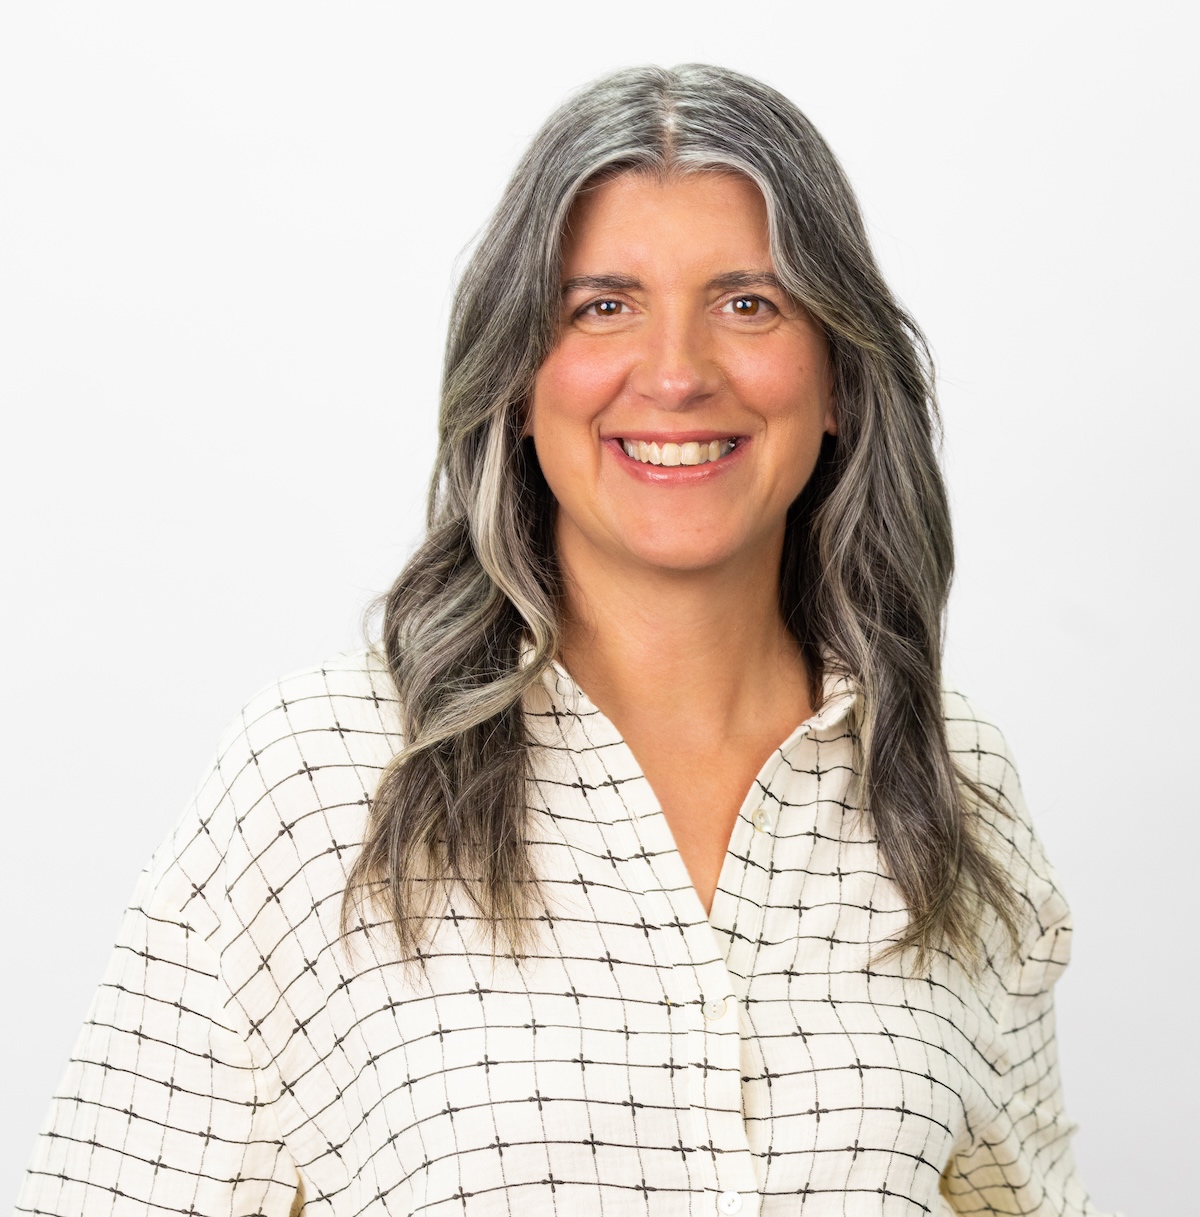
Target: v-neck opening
column 647, row 812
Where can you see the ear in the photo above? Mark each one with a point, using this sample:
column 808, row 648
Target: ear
column 830, row 388
column 831, row 423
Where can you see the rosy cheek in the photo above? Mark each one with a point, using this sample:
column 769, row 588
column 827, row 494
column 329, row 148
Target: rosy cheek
column 579, row 379
column 572, row 388
column 776, row 385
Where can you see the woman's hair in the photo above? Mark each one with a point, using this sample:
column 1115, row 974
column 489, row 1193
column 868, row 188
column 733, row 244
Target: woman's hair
column 472, row 622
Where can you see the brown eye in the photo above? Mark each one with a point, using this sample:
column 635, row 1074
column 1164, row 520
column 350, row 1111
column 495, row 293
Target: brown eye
column 746, row 306
column 607, row 308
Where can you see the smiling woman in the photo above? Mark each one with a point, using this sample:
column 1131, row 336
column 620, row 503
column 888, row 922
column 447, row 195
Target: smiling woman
column 658, row 701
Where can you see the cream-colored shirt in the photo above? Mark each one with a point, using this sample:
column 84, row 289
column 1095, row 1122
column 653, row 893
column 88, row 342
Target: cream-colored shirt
column 647, row 1058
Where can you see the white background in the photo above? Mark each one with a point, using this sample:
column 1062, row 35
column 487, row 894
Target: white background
column 227, row 238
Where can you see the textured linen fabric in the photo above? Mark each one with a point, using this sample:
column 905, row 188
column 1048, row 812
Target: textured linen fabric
column 647, row 1058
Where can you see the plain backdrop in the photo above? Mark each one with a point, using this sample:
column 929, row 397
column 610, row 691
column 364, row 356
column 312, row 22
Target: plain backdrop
column 227, row 239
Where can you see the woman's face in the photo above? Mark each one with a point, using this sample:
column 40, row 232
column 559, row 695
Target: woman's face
column 682, row 409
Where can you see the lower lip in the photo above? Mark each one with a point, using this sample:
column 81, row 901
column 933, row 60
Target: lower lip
column 676, row 475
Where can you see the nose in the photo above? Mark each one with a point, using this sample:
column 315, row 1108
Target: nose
column 676, row 367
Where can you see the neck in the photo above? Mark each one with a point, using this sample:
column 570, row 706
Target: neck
column 706, row 646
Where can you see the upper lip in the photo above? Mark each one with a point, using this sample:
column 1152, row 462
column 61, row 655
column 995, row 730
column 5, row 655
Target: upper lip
column 674, row 437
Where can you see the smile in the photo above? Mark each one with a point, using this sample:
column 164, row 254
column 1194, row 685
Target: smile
column 691, row 453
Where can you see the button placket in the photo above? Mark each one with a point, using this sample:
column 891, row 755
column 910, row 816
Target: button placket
column 741, row 913
column 714, row 1008
column 714, row 1087
column 762, row 820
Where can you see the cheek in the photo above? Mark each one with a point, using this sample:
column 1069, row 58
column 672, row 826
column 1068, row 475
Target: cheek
column 789, row 389
column 575, row 383
column 570, row 391
column 785, row 384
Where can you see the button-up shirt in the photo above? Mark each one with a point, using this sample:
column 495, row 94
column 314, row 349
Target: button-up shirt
column 646, row 1057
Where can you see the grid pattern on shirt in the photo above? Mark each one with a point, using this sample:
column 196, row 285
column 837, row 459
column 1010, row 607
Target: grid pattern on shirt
column 646, row 1058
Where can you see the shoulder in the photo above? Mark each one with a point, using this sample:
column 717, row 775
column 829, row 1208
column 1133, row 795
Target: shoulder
column 349, row 693
column 299, row 740
column 285, row 797
column 979, row 747
column 982, row 754
column 341, row 711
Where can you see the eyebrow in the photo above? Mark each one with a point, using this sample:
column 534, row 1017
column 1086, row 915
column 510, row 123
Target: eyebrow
column 730, row 281
column 735, row 279
column 601, row 283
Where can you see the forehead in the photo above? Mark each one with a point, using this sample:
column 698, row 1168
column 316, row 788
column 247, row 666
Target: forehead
column 645, row 217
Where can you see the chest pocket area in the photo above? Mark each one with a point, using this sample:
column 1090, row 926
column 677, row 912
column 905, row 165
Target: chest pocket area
column 858, row 1071
column 525, row 1065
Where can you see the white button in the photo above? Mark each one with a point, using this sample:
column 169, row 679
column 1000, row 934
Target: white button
column 761, row 819
column 729, row 1202
column 715, row 1008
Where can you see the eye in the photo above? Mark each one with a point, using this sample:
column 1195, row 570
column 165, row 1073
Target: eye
column 601, row 308
column 750, row 306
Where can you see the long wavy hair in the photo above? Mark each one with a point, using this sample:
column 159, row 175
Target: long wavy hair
column 472, row 622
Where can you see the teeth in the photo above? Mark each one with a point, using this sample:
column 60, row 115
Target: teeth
column 691, row 453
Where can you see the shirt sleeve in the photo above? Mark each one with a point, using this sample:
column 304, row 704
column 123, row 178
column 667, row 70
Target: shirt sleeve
column 161, row 1108
column 1022, row 1162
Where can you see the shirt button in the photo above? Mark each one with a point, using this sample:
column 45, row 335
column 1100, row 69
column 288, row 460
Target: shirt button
column 729, row 1202
column 761, row 819
column 714, row 1009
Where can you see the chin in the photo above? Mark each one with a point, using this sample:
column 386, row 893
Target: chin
column 684, row 557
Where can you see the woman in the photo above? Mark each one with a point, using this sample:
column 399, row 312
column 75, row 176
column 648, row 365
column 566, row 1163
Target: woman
column 658, row 711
